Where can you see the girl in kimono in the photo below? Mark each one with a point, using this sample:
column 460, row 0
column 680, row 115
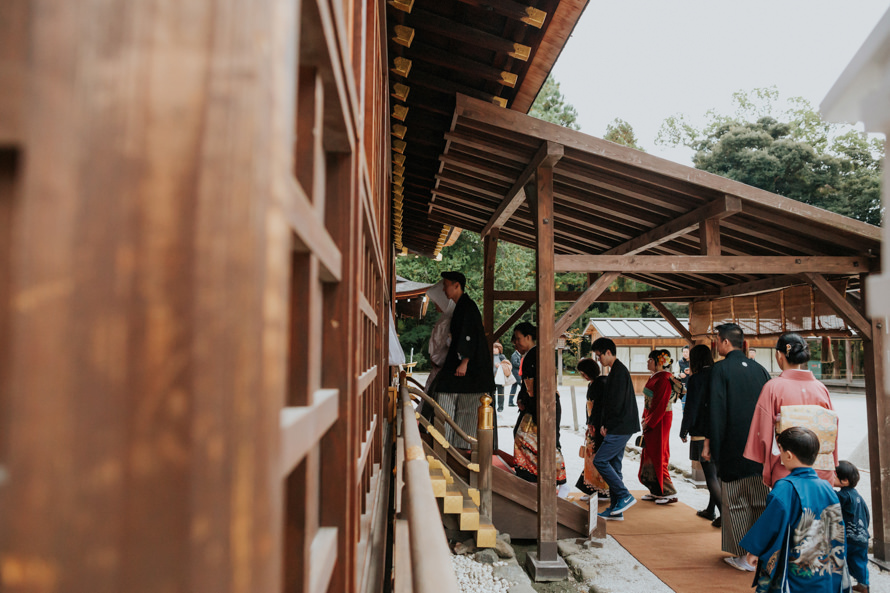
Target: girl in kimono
column 660, row 393
column 856, row 520
column 798, row 541
column 590, row 480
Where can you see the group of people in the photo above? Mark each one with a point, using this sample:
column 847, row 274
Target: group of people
column 769, row 475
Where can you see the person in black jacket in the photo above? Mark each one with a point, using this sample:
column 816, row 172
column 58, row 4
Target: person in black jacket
column 736, row 382
column 621, row 419
column 697, row 424
column 466, row 374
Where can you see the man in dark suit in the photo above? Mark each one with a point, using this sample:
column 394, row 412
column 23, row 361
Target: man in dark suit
column 621, row 419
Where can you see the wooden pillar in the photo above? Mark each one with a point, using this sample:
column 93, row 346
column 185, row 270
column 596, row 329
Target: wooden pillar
column 877, row 399
column 489, row 254
column 546, row 564
column 848, row 359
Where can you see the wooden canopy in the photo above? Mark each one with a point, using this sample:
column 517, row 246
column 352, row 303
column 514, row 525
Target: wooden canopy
column 588, row 205
column 612, row 202
column 498, row 51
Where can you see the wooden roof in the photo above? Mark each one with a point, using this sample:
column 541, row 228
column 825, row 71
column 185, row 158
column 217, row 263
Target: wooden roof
column 633, row 327
column 615, row 201
column 499, row 51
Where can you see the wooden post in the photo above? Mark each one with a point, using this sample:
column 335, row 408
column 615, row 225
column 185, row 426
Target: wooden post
column 848, row 359
column 877, row 401
column 489, row 254
column 485, row 435
column 546, row 565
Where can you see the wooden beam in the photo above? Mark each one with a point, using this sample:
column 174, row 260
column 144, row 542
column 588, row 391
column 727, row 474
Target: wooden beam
column 580, row 306
column 721, row 208
column 839, row 303
column 512, row 10
column 489, row 254
column 709, row 236
column 646, row 296
column 764, row 285
column 548, row 155
column 877, row 402
column 675, row 323
column 513, row 319
column 698, row 264
column 439, row 25
column 545, row 383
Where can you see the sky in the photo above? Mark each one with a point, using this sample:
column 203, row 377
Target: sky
column 644, row 60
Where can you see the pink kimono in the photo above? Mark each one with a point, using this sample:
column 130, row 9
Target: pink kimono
column 793, row 387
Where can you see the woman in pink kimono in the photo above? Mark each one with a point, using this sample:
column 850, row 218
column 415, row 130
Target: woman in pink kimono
column 659, row 394
column 794, row 387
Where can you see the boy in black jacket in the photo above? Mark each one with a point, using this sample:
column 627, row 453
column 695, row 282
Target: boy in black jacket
column 621, row 419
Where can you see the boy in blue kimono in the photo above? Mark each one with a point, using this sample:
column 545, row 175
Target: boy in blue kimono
column 856, row 519
column 799, row 538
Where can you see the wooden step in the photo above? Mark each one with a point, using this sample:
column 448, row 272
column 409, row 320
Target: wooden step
column 469, row 516
column 486, row 534
column 453, row 501
column 473, row 493
column 439, row 482
column 436, row 464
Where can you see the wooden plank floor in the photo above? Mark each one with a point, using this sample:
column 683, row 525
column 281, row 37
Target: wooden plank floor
column 680, row 548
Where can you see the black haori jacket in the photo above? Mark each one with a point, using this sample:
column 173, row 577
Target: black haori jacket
column 467, row 341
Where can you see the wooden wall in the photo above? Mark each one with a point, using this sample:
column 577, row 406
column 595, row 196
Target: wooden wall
column 194, row 270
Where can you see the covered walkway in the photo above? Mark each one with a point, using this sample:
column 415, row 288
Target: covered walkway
column 587, row 205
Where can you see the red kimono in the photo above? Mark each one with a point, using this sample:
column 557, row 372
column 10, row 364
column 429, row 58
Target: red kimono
column 656, row 456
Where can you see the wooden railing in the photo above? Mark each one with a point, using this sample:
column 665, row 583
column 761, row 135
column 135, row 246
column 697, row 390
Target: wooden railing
column 481, row 447
column 422, row 560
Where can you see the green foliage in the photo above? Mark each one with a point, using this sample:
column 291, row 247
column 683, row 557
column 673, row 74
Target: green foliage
column 621, row 132
column 790, row 151
column 550, row 106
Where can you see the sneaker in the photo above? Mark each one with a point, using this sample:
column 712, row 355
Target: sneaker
column 649, row 497
column 739, row 563
column 666, row 500
column 624, row 504
column 608, row 516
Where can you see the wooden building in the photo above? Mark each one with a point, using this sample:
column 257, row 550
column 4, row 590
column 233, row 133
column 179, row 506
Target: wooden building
column 200, row 204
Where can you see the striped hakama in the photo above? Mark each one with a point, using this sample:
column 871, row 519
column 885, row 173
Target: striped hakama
column 464, row 410
column 743, row 503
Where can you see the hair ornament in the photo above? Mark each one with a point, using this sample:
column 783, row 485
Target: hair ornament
column 787, row 348
column 664, row 360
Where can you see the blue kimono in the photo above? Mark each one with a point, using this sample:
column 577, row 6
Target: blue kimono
column 856, row 519
column 799, row 538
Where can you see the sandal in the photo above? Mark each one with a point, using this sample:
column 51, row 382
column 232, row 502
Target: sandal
column 666, row 500
column 649, row 497
column 704, row 514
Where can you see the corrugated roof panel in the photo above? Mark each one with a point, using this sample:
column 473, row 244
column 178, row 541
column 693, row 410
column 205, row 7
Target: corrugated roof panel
column 635, row 327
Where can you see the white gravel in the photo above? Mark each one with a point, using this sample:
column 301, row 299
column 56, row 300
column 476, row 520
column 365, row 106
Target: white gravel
column 476, row 577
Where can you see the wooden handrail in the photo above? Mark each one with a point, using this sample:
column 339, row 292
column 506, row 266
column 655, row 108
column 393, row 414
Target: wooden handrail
column 485, row 432
column 443, row 414
column 431, row 569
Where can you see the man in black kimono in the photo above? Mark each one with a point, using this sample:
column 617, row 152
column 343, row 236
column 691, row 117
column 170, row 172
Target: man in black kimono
column 466, row 375
column 736, row 382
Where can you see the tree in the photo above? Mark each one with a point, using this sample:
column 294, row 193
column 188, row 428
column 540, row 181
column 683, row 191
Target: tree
column 790, row 151
column 550, row 106
column 621, row 132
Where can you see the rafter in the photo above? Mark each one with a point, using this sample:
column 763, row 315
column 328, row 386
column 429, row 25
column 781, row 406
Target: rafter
column 548, row 155
column 681, row 225
column 580, row 306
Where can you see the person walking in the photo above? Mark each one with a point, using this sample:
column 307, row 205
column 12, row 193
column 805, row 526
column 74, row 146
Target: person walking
column 697, row 425
column 590, row 481
column 659, row 396
column 796, row 386
column 621, row 419
column 465, row 377
column 515, row 360
column 736, row 383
